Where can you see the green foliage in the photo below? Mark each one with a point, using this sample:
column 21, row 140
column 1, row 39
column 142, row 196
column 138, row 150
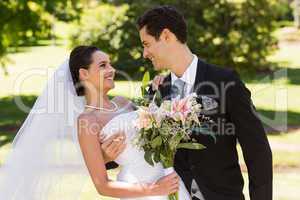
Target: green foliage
column 145, row 82
column 191, row 146
column 236, row 34
column 144, row 99
column 112, row 28
column 24, row 22
column 284, row 10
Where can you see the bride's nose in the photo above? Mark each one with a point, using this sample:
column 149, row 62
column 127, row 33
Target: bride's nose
column 111, row 69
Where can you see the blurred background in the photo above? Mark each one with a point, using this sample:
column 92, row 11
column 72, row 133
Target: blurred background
column 258, row 38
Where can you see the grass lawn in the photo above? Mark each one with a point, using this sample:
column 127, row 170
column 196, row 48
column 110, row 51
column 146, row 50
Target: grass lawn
column 285, row 149
column 285, row 186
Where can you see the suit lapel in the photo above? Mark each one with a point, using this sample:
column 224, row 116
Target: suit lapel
column 200, row 76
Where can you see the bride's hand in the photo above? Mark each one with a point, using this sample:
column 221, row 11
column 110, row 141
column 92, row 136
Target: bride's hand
column 166, row 185
column 113, row 146
column 158, row 80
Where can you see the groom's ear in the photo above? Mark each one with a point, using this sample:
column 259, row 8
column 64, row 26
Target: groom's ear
column 83, row 74
column 167, row 35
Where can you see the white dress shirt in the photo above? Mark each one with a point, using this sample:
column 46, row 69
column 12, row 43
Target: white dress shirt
column 188, row 77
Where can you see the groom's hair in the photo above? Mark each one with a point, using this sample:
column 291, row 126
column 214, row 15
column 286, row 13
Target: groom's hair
column 158, row 18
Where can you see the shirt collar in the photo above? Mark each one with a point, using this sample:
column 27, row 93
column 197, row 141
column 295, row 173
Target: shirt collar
column 189, row 75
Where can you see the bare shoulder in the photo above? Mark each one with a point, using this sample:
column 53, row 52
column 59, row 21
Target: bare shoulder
column 121, row 101
column 89, row 124
column 87, row 117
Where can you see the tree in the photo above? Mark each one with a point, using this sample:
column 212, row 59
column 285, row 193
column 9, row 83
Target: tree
column 297, row 13
column 226, row 33
column 24, row 21
column 109, row 28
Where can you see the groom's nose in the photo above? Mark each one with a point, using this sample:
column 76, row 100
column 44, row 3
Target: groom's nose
column 145, row 53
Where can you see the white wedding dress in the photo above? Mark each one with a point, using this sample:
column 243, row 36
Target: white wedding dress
column 134, row 168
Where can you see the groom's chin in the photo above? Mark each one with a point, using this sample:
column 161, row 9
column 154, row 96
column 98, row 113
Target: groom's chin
column 157, row 68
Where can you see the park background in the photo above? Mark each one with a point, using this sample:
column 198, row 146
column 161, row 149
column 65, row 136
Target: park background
column 258, row 38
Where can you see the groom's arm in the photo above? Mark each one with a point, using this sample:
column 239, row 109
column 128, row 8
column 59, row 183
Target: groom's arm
column 253, row 140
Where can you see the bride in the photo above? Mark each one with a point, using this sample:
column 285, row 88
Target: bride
column 58, row 144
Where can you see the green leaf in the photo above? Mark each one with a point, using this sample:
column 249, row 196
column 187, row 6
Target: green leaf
column 145, row 81
column 156, row 142
column 148, row 157
column 175, row 141
column 166, row 160
column 196, row 146
column 158, row 98
column 157, row 156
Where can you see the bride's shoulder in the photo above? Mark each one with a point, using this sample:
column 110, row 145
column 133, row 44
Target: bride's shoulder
column 91, row 119
column 87, row 117
column 121, row 101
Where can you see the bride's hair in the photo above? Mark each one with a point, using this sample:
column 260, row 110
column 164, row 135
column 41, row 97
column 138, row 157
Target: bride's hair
column 80, row 57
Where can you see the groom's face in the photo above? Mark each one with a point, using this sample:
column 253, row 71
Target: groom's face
column 154, row 49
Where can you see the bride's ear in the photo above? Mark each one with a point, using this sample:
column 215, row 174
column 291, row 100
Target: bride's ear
column 83, row 74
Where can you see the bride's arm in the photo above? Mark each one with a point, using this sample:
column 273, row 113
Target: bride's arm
column 88, row 129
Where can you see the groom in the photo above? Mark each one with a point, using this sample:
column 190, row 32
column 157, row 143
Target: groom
column 213, row 173
column 215, row 170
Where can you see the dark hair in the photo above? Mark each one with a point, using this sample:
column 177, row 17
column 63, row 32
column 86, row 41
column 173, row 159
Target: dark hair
column 80, row 57
column 161, row 17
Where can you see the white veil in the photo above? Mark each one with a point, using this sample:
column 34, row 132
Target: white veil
column 45, row 161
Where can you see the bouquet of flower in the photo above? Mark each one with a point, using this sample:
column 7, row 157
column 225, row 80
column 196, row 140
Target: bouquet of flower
column 165, row 128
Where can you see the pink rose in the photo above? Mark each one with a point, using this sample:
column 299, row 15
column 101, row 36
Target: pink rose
column 145, row 119
column 180, row 109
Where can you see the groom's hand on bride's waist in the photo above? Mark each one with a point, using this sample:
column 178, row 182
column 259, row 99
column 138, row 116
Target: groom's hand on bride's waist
column 112, row 146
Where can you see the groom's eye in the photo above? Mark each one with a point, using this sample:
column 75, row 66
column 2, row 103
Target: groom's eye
column 145, row 44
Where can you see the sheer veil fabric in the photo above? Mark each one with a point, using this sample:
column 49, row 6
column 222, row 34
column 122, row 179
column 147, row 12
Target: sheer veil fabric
column 46, row 161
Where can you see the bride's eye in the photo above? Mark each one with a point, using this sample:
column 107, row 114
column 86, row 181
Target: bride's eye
column 102, row 65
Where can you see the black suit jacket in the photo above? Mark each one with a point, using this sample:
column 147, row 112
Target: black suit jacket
column 216, row 169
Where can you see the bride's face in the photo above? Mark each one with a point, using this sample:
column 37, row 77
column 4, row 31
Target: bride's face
column 100, row 75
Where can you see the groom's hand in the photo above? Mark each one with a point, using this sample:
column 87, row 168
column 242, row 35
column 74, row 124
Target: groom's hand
column 112, row 146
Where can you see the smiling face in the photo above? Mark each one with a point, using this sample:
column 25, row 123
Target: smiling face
column 155, row 50
column 163, row 31
column 100, row 74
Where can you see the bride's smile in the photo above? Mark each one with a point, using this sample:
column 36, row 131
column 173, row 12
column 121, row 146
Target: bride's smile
column 99, row 75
